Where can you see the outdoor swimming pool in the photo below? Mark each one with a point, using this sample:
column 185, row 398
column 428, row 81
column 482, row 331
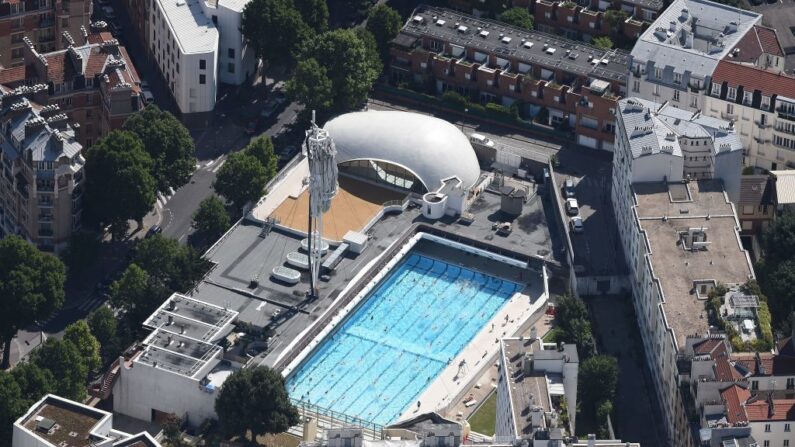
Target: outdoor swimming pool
column 399, row 339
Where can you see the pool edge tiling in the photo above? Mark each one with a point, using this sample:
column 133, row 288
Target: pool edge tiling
column 396, row 341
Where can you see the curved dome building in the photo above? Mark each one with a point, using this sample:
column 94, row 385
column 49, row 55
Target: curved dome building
column 407, row 150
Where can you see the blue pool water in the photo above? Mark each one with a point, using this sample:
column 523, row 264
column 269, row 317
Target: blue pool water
column 381, row 358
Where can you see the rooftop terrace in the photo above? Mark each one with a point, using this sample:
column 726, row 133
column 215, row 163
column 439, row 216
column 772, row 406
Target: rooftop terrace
column 63, row 423
column 509, row 42
column 192, row 318
column 666, row 212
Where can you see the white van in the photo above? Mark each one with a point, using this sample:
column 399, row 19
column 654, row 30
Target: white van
column 481, row 140
column 148, row 97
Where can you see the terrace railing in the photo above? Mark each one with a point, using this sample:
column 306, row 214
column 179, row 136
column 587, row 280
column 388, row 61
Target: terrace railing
column 329, row 419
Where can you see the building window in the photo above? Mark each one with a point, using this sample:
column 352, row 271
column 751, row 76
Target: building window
column 790, row 383
column 694, row 102
column 730, row 109
column 656, row 91
column 658, row 73
column 202, row 79
column 715, row 89
column 786, row 443
column 767, row 428
column 786, row 427
column 755, row 386
column 677, row 78
column 676, row 95
column 765, row 103
column 202, row 64
column 231, row 68
column 732, row 95
column 636, row 85
column 747, row 98
column 231, row 53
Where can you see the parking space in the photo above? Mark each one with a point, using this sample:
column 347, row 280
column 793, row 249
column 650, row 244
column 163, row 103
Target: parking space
column 596, row 248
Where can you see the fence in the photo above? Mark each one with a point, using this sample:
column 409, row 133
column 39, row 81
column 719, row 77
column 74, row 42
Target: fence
column 329, row 419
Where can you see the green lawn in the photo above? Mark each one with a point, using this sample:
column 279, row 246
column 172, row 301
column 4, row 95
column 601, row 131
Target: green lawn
column 484, row 420
column 552, row 335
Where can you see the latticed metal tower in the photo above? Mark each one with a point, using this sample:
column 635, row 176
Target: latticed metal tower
column 321, row 154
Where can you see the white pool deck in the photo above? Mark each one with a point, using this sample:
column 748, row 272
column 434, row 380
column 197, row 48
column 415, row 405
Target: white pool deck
column 447, row 389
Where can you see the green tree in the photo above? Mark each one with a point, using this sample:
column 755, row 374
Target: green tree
column 314, row 13
column 384, row 23
column 12, row 406
column 604, row 42
column 119, row 183
column 261, row 148
column 31, row 288
column 615, row 18
column 276, row 29
column 81, row 253
column 779, row 239
column 241, row 179
column 64, row 360
column 34, row 382
column 569, row 308
column 603, row 411
column 518, row 17
column 255, row 400
column 168, row 143
column 597, row 380
column 136, row 294
column 174, row 266
column 79, row 334
column 580, row 334
column 350, row 63
column 780, row 283
column 211, row 218
column 172, row 431
column 105, row 328
column 311, row 86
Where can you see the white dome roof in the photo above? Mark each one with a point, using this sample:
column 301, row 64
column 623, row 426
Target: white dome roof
column 431, row 148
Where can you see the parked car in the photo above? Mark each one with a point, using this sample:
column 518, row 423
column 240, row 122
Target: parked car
column 251, row 126
column 568, row 188
column 148, row 97
column 481, row 140
column 576, row 224
column 144, row 84
column 279, row 98
column 269, row 110
column 155, row 229
column 572, row 207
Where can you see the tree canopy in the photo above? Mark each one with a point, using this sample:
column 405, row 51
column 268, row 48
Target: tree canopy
column 211, row 219
column 518, row 17
column 311, row 85
column 384, row 23
column 261, row 148
column 574, row 326
column 31, row 288
column 777, row 270
column 315, row 13
column 174, row 266
column 79, row 334
column 12, row 406
column 276, row 29
column 604, row 42
column 63, row 357
column 105, row 328
column 33, row 381
column 241, row 179
column 351, row 63
column 597, row 380
column 119, row 183
column 136, row 294
column 255, row 400
column 167, row 142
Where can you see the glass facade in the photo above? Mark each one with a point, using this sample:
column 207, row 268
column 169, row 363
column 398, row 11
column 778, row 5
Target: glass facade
column 383, row 172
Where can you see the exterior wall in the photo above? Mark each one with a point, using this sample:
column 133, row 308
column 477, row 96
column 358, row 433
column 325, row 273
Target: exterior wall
column 142, row 388
column 687, row 95
column 728, row 168
column 505, row 425
column 775, row 436
column 772, row 383
column 241, row 57
column 43, row 26
column 138, row 12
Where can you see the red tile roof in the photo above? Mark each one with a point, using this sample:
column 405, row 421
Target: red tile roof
column 759, row 411
column 771, row 364
column 753, row 78
column 754, row 43
column 709, row 346
column 769, row 40
column 734, row 398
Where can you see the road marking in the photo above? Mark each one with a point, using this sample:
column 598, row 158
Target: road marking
column 209, row 163
column 215, row 169
column 259, row 306
column 182, row 237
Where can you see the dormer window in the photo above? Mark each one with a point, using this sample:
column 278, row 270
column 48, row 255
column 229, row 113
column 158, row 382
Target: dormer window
column 715, row 89
column 90, row 82
column 765, row 103
column 732, row 94
column 678, row 78
column 658, row 73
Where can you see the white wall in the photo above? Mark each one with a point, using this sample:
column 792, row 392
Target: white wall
column 243, row 60
column 776, row 436
column 729, row 168
column 656, row 168
column 505, row 423
column 142, row 388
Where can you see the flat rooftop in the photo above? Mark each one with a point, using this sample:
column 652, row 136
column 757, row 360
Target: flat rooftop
column 176, row 353
column 509, row 42
column 193, row 318
column 63, row 423
column 193, row 31
column 527, row 391
column 690, row 205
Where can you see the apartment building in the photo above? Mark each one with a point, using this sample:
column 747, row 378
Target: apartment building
column 680, row 237
column 568, row 83
column 180, row 365
column 43, row 164
column 675, row 58
column 198, row 44
column 93, row 81
column 41, row 21
column 756, row 207
column 762, row 105
column 586, row 19
column 57, row 422
column 536, row 378
column 138, row 12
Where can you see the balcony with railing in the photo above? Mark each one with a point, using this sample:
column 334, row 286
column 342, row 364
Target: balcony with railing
column 786, row 111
